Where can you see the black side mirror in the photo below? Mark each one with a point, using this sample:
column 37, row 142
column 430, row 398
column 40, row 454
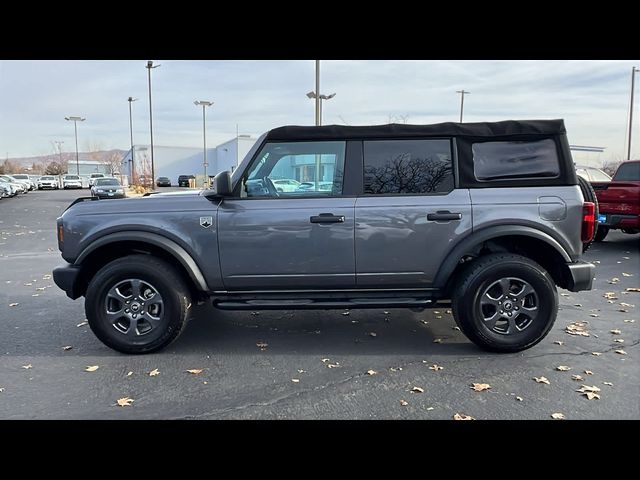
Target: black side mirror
column 221, row 186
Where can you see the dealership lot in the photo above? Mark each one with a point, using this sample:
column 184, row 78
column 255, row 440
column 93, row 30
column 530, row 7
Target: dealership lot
column 305, row 364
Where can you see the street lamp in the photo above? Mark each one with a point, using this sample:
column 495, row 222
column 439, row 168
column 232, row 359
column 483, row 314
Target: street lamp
column 462, row 94
column 634, row 70
column 131, row 167
column 75, row 121
column 149, row 66
column 204, row 104
column 319, row 99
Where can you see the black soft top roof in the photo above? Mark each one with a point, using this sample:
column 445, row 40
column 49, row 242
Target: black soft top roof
column 394, row 130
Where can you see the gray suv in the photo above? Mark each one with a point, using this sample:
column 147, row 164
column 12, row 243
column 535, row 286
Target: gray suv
column 486, row 216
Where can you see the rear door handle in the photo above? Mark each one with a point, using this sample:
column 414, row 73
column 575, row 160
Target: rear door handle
column 443, row 215
column 327, row 218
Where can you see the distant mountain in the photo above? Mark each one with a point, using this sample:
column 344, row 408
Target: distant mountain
column 102, row 156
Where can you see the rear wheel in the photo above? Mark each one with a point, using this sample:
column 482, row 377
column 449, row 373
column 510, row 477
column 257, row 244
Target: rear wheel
column 601, row 234
column 137, row 304
column 505, row 302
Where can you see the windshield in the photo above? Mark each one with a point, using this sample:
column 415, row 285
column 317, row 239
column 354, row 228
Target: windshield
column 107, row 181
column 72, row 177
column 21, row 177
column 97, row 175
column 46, row 178
column 629, row 172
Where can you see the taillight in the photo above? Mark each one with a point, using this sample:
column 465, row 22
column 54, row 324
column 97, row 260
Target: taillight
column 588, row 221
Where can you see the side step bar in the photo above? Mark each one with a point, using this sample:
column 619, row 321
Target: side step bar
column 310, row 304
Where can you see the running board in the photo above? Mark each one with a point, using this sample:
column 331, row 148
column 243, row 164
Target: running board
column 310, row 304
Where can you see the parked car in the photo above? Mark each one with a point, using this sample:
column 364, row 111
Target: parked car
column 21, row 177
column 48, row 181
column 5, row 190
column 163, row 182
column 93, row 176
column 71, row 181
column 107, row 187
column 592, row 174
column 286, row 185
column 183, row 180
column 619, row 201
column 20, row 187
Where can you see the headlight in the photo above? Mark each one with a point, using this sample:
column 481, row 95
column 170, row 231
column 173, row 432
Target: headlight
column 100, row 190
column 119, row 190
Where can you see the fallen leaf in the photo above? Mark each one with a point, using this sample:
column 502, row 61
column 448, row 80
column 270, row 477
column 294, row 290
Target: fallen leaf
column 591, row 395
column 417, row 390
column 1, row 389
column 27, row 367
column 125, row 402
column 558, row 342
column 295, row 380
column 437, row 340
column 345, row 313
column 255, row 313
column 576, row 377
column 614, row 280
column 519, row 399
column 35, row 294
column 610, row 295
column 404, row 403
column 587, row 388
column 588, row 372
column 620, row 352
column 615, row 332
column 596, row 354
column 371, row 372
column 448, row 312
column 435, row 367
column 333, row 365
column 462, row 416
column 456, row 328
column 28, row 284
column 608, row 383
column 563, row 368
column 558, row 416
column 325, row 360
column 14, row 304
column 396, row 369
column 40, row 289
column 630, row 321
column 627, row 305
column 625, row 274
column 618, row 340
column 92, row 368
column 594, row 315
column 67, row 347
column 262, row 345
column 542, row 380
column 577, row 304
column 46, row 277
column 385, row 312
column 429, row 409
column 129, row 374
column 577, row 328
column 633, row 289
column 82, row 324
column 623, row 310
column 373, row 334
column 195, row 371
column 564, row 294
column 480, row 387
column 154, row 372
column 301, row 371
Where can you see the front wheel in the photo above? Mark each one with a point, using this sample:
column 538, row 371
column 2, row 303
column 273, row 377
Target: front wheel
column 137, row 304
column 505, row 302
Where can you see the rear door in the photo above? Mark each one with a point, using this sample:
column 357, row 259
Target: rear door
column 409, row 214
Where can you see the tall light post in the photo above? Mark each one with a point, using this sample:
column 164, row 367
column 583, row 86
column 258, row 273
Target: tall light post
column 204, row 104
column 634, row 70
column 462, row 94
column 75, row 121
column 319, row 99
column 131, row 167
column 150, row 66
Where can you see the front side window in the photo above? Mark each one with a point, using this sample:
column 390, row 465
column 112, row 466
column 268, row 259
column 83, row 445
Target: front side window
column 515, row 160
column 628, row 172
column 296, row 169
column 411, row 167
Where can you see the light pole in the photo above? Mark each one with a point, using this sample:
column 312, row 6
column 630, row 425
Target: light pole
column 204, row 104
column 462, row 94
column 131, row 167
column 634, row 70
column 319, row 99
column 75, row 121
column 153, row 171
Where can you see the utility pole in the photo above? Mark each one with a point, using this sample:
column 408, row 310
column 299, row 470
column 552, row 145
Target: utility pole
column 318, row 100
column 462, row 94
column 204, row 104
column 634, row 70
column 131, row 160
column 75, row 121
column 153, row 168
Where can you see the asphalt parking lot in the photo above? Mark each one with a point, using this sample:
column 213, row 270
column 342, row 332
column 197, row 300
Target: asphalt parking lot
column 311, row 364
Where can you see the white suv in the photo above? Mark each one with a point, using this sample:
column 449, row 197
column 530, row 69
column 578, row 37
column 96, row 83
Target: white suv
column 71, row 181
column 92, row 178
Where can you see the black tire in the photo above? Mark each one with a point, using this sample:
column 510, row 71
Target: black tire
column 149, row 334
column 589, row 195
column 601, row 233
column 477, row 279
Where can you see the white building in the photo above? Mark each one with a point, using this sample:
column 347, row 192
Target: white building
column 175, row 161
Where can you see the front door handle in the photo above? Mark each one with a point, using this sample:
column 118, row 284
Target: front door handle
column 327, row 218
column 443, row 215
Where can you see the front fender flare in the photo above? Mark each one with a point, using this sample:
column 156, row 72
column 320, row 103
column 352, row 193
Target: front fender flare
column 169, row 246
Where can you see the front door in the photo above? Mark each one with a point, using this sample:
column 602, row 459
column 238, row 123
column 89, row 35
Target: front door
column 288, row 226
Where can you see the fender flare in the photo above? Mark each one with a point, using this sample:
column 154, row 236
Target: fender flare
column 481, row 236
column 156, row 240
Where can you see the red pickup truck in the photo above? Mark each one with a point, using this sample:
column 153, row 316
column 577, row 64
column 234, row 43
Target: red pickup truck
column 619, row 201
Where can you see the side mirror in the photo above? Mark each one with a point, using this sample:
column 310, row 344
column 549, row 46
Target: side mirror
column 221, row 186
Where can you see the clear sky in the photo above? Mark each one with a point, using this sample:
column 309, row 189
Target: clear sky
column 35, row 96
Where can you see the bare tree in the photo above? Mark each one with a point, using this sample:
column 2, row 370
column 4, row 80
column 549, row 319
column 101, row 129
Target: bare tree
column 610, row 166
column 8, row 167
column 55, row 168
column 404, row 174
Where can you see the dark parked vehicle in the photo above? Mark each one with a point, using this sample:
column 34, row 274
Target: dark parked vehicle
column 163, row 182
column 107, row 187
column 619, row 201
column 485, row 217
column 183, row 180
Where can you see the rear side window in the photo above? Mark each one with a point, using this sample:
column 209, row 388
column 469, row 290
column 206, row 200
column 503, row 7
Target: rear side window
column 410, row 167
column 628, row 172
column 506, row 160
